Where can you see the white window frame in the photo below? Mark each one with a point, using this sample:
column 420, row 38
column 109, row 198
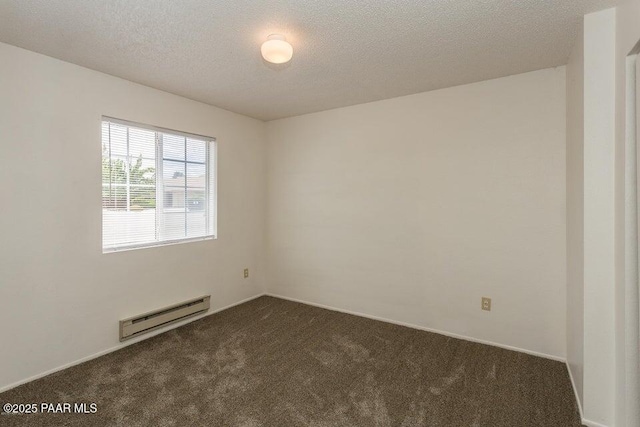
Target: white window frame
column 211, row 167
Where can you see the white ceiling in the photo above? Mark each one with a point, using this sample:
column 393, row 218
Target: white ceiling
column 345, row 52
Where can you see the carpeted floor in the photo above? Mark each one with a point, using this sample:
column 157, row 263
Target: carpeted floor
column 271, row 362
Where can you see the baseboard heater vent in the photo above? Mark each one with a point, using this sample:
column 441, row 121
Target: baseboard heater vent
column 138, row 325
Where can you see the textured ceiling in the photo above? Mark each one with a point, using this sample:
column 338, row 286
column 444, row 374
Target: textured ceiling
column 345, row 52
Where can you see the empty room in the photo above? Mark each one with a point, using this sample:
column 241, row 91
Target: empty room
column 271, row 213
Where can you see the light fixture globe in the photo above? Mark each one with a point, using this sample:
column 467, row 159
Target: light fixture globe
column 276, row 49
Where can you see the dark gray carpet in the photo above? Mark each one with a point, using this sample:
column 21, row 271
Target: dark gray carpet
column 271, row 362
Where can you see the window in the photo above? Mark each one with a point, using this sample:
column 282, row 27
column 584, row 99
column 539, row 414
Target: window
column 158, row 186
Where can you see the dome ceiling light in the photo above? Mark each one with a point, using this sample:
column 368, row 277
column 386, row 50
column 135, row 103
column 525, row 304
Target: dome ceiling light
column 276, row 49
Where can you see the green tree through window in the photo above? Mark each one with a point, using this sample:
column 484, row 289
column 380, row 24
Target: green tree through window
column 142, row 181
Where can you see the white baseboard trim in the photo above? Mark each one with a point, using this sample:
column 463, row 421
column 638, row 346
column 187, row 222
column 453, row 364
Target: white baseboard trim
column 575, row 393
column 125, row 344
column 592, row 423
column 422, row 328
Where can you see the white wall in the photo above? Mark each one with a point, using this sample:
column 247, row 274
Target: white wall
column 575, row 215
column 599, row 219
column 602, row 352
column 626, row 306
column 60, row 297
column 414, row 208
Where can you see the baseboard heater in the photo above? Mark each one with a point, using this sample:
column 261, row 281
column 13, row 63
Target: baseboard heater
column 138, row 325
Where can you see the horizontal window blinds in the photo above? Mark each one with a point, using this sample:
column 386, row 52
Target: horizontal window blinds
column 158, row 186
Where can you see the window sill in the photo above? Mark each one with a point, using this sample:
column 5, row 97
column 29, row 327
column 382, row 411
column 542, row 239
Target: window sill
column 110, row 250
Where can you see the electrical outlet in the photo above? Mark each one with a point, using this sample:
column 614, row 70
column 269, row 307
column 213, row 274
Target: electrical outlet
column 246, row 273
column 486, row 304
